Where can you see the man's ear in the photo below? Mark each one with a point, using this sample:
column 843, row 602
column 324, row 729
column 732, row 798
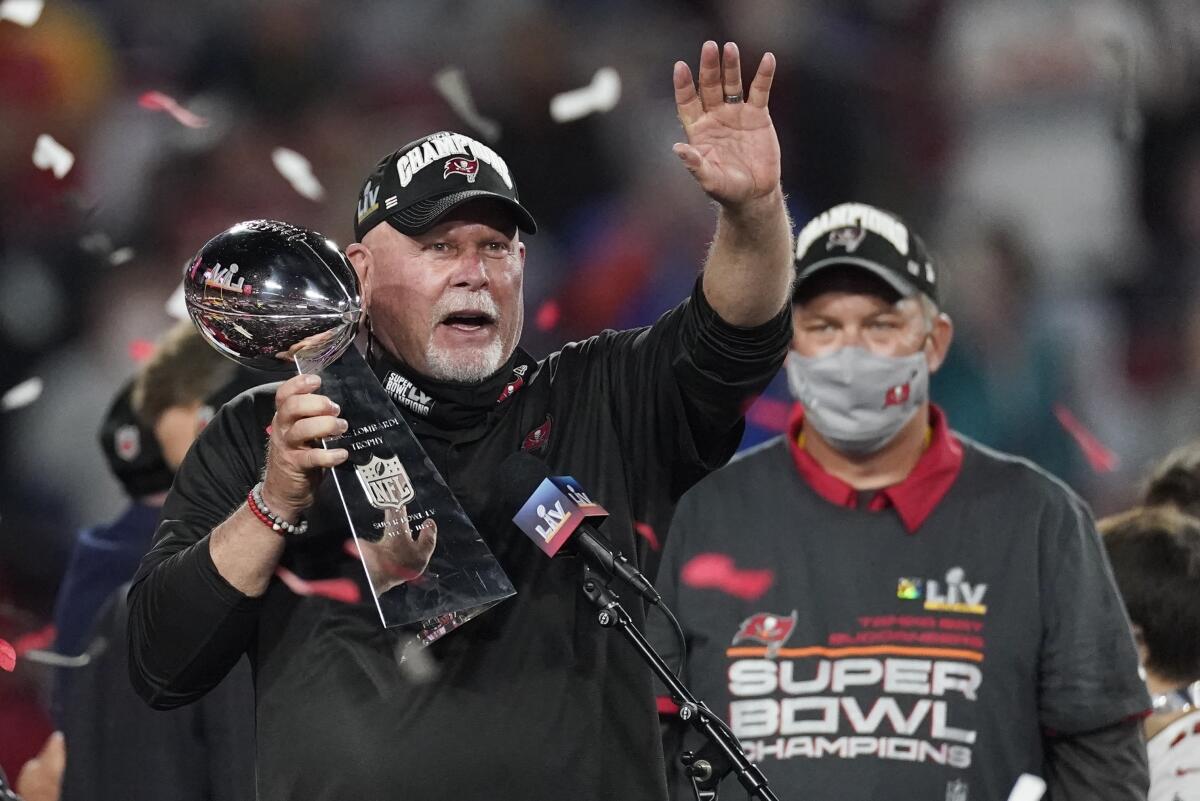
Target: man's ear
column 938, row 344
column 364, row 262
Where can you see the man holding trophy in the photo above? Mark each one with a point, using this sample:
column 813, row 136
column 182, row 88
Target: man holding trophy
column 531, row 699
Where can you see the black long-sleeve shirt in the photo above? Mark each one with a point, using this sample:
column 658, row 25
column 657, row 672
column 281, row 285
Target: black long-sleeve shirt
column 531, row 700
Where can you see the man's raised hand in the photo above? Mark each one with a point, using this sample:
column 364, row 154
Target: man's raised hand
column 732, row 149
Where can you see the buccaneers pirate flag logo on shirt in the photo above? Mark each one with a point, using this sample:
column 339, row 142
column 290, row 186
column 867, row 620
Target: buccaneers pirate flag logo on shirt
column 770, row 630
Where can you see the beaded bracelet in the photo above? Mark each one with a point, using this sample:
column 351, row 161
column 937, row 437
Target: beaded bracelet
column 254, row 501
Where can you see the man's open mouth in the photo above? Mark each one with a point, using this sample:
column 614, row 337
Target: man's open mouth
column 468, row 320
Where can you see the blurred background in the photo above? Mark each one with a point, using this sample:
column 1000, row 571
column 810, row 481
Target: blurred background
column 1048, row 152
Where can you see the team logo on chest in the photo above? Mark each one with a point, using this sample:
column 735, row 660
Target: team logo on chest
column 538, row 438
column 769, row 629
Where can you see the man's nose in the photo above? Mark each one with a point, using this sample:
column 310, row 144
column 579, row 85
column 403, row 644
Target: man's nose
column 852, row 335
column 471, row 270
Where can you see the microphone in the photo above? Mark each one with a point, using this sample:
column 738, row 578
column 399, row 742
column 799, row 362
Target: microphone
column 554, row 509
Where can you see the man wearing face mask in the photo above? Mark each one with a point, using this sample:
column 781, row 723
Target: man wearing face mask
column 876, row 602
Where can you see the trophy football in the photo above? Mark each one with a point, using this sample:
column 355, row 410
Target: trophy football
column 283, row 299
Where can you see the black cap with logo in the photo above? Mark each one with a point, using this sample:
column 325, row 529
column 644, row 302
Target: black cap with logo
column 418, row 184
column 855, row 234
column 131, row 449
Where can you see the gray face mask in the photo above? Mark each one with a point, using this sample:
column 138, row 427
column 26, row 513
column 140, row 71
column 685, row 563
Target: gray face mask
column 855, row 400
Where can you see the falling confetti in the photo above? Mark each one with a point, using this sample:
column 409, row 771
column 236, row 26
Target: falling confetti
column 120, row 256
column 23, row 12
column 1101, row 459
column 22, row 394
column 96, row 242
column 666, row 706
column 99, row 244
column 599, row 96
column 646, row 532
column 8, row 656
column 452, row 85
column 716, row 571
column 48, row 154
column 140, row 350
column 1028, row 788
column 176, row 306
column 157, row 101
column 547, row 316
column 298, row 172
column 339, row 589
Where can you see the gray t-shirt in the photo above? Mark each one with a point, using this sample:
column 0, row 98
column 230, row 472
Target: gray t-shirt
column 883, row 664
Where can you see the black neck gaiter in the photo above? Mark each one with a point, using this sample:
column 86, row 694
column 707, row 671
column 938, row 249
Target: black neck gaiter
column 449, row 405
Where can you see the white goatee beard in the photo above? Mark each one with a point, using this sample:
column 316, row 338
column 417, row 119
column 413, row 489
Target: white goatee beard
column 464, row 368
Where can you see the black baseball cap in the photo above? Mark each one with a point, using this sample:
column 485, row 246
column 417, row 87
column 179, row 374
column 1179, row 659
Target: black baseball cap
column 418, row 184
column 131, row 449
column 858, row 235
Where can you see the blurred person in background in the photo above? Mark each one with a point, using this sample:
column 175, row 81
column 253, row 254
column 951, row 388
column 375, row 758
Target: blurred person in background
column 1007, row 370
column 1155, row 556
column 1175, row 481
column 143, row 449
column 200, row 754
column 883, row 606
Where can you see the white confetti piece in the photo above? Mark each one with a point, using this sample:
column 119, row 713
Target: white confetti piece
column 23, row 12
column 96, row 242
column 1028, row 788
column 451, row 83
column 120, row 256
column 48, row 154
column 22, row 394
column 298, row 172
column 101, row 245
column 176, row 306
column 597, row 97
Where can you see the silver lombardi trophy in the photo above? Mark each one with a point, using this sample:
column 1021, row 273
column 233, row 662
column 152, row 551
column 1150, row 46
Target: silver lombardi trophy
column 280, row 298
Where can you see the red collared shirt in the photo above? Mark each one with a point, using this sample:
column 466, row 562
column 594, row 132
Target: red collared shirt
column 914, row 498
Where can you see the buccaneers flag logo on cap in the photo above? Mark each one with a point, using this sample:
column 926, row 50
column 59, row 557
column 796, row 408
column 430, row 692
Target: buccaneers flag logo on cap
column 769, row 629
column 462, row 166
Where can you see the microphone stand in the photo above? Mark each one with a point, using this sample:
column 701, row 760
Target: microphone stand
column 722, row 754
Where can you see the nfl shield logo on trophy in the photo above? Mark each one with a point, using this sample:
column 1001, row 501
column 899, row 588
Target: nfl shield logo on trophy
column 385, row 483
